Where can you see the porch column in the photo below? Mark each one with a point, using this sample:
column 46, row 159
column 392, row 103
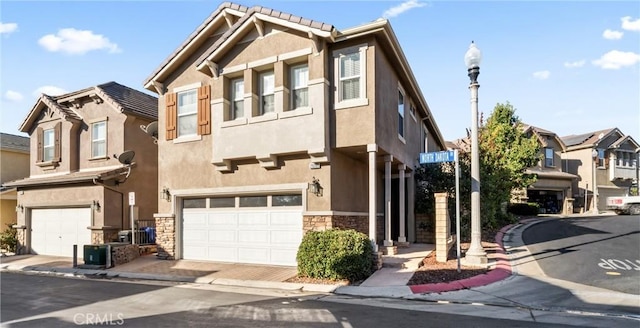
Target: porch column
column 387, row 200
column 402, row 239
column 411, row 216
column 372, row 149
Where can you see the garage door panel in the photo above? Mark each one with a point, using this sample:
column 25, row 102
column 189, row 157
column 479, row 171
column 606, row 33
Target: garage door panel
column 253, row 236
column 196, row 236
column 282, row 256
column 223, row 219
column 286, row 237
column 197, row 220
column 196, row 252
column 224, row 254
column 222, row 236
column 55, row 231
column 286, row 219
column 253, row 255
column 253, row 219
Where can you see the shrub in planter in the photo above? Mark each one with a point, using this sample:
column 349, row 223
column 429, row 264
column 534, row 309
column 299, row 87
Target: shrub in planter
column 8, row 238
column 524, row 209
column 335, row 254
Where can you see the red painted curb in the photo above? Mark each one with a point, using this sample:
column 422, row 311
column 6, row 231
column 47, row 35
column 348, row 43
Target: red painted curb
column 500, row 271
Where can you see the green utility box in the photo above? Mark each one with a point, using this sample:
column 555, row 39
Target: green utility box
column 95, row 254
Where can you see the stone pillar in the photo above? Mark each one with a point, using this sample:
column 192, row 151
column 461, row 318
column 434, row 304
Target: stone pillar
column 444, row 241
column 402, row 239
column 166, row 236
column 411, row 215
column 390, row 249
column 21, row 236
column 372, row 149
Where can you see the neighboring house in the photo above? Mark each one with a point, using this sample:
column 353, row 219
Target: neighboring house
column 77, row 191
column 607, row 163
column 271, row 125
column 14, row 164
column 552, row 189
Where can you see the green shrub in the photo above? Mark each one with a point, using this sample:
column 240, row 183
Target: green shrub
column 8, row 239
column 335, row 254
column 524, row 209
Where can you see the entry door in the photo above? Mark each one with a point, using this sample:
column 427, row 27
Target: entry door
column 54, row 231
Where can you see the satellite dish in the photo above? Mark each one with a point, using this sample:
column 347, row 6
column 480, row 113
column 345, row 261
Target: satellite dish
column 151, row 129
column 126, row 157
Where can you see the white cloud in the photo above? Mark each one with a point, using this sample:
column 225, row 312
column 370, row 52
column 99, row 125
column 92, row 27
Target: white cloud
column 574, row 64
column 542, row 75
column 77, row 42
column 630, row 25
column 8, row 27
column 616, row 59
column 14, row 96
column 49, row 90
column 612, row 35
column 401, row 8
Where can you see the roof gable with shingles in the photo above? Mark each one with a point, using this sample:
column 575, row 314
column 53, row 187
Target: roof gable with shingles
column 590, row 139
column 129, row 100
column 14, row 142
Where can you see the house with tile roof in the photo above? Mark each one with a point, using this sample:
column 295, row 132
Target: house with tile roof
column 79, row 181
column 14, row 164
column 271, row 125
column 606, row 162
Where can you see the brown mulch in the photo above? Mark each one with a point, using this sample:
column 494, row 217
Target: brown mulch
column 433, row 271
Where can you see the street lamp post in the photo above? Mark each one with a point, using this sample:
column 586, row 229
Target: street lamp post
column 594, row 154
column 475, row 254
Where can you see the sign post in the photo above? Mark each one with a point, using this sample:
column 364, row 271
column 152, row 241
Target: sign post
column 132, row 202
column 442, row 157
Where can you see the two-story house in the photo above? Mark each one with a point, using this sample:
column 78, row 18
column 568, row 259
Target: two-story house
column 553, row 187
column 14, row 164
column 271, row 125
column 77, row 190
column 607, row 163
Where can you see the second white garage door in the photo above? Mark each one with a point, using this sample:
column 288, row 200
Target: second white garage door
column 54, row 231
column 269, row 236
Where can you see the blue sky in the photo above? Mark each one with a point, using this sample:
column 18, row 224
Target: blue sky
column 569, row 67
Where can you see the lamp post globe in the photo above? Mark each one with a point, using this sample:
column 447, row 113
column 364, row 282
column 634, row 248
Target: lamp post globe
column 476, row 254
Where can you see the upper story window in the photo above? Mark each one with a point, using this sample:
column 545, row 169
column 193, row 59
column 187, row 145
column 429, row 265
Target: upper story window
column 99, row 139
column 401, row 113
column 237, row 99
column 48, row 145
column 299, row 86
column 350, row 76
column 424, row 139
column 187, row 112
column 600, row 158
column 548, row 157
column 267, row 90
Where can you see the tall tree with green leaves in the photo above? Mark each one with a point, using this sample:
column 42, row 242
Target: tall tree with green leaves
column 505, row 154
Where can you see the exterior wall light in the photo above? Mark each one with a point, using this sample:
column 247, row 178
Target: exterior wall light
column 95, row 205
column 315, row 187
column 165, row 194
column 19, row 208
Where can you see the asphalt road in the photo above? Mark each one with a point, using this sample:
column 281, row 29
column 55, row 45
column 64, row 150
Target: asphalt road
column 46, row 301
column 600, row 251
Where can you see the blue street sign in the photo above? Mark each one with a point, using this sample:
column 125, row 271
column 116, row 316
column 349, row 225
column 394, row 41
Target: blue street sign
column 438, row 157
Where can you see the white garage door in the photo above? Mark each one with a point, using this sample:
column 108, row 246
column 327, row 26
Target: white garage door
column 54, row 231
column 261, row 236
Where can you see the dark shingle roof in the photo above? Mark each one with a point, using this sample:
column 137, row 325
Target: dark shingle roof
column 589, row 138
column 131, row 100
column 14, row 142
column 70, row 178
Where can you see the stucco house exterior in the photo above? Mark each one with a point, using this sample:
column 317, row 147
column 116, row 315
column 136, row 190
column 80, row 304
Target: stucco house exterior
column 77, row 191
column 14, row 164
column 607, row 163
column 553, row 187
column 271, row 125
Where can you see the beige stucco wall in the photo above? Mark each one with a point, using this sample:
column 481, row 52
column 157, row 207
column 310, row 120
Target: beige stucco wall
column 7, row 213
column 13, row 165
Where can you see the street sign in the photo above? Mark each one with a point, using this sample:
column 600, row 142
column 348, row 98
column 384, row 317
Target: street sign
column 132, row 198
column 438, row 157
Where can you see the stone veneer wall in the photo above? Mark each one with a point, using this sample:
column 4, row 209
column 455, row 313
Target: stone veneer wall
column 425, row 228
column 104, row 236
column 166, row 237
column 357, row 222
column 21, row 236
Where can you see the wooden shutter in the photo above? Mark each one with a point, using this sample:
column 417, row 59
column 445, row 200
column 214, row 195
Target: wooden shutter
column 204, row 110
column 40, row 138
column 171, row 108
column 56, row 137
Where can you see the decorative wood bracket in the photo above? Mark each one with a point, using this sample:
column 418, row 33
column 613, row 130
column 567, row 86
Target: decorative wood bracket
column 213, row 67
column 95, row 98
column 317, row 42
column 76, row 103
column 159, row 87
column 259, row 26
column 228, row 17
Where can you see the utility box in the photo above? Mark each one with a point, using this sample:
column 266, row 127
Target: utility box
column 95, row 254
column 124, row 236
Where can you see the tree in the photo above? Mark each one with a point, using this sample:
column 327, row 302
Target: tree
column 505, row 154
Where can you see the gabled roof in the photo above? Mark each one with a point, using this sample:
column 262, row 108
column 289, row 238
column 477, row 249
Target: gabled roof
column 588, row 140
column 539, row 132
column 121, row 98
column 622, row 140
column 14, row 142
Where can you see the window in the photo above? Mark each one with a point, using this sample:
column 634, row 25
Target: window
column 267, row 86
column 48, row 145
column 237, row 99
column 222, row 202
column 195, row 203
column 400, row 114
column 412, row 110
column 424, row 139
column 350, row 74
column 600, row 157
column 253, row 201
column 99, row 139
column 548, row 157
column 286, row 200
column 187, row 112
column 299, row 86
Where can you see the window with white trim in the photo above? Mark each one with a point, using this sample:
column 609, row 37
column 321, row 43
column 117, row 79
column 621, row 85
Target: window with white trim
column 548, row 157
column 267, row 90
column 400, row 113
column 350, row 76
column 600, row 157
column 299, row 86
column 48, row 145
column 99, row 139
column 237, row 99
column 187, row 112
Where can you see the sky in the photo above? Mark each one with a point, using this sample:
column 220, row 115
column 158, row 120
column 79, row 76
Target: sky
column 570, row 67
